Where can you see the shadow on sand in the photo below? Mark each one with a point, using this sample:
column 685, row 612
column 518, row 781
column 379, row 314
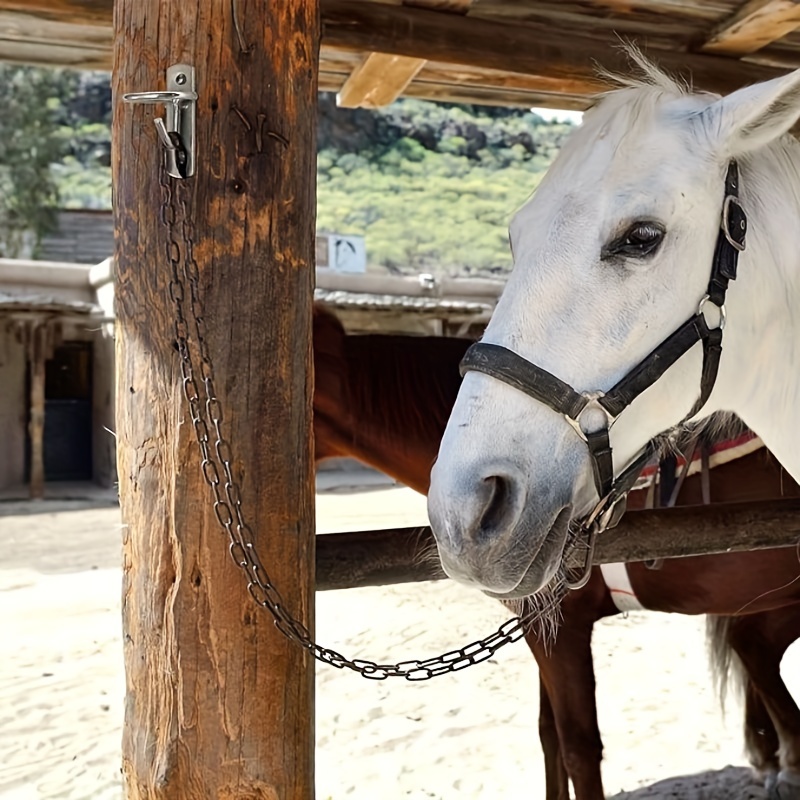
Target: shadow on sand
column 730, row 783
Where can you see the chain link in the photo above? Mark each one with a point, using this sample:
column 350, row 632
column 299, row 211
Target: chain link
column 216, row 464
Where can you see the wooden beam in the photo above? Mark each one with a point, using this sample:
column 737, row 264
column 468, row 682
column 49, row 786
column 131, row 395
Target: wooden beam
column 376, row 558
column 480, row 95
column 405, row 555
column 219, row 703
column 466, row 84
column 467, row 75
column 378, row 81
column 382, row 77
column 35, row 39
column 47, row 55
column 448, row 6
column 495, row 96
column 700, row 530
column 755, row 25
column 527, row 49
column 419, row 33
column 77, row 12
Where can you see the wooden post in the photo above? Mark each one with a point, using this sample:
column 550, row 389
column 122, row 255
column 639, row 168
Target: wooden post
column 219, row 704
column 37, row 358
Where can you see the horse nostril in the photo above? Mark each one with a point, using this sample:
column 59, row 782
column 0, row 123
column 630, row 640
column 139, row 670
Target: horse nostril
column 499, row 504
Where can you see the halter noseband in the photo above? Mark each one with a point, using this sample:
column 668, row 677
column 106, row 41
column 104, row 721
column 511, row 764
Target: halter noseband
column 505, row 365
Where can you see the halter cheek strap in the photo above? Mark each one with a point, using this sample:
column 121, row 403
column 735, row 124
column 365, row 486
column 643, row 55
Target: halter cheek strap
column 504, row 365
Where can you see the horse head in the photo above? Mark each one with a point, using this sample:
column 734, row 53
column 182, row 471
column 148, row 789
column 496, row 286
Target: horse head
column 613, row 254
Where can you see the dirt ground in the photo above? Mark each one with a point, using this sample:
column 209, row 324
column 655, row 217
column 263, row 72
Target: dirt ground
column 470, row 735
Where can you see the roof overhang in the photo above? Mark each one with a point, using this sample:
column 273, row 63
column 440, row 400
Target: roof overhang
column 523, row 53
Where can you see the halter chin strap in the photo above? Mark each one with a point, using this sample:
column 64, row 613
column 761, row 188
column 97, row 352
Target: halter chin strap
column 505, row 365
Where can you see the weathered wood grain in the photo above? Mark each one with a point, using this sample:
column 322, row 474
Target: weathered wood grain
column 482, row 95
column 448, row 6
column 77, row 12
column 466, row 84
column 419, row 33
column 381, row 77
column 378, row 80
column 495, row 96
column 406, row 555
column 219, row 704
column 559, row 41
column 469, row 76
column 755, row 25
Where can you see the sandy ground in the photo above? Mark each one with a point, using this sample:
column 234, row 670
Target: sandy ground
column 471, row 735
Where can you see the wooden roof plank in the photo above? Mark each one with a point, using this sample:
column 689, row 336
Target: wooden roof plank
column 495, row 96
column 447, row 87
column 382, row 77
column 755, row 25
column 464, row 74
column 448, row 6
column 77, row 12
column 48, row 54
column 418, row 33
column 378, row 80
column 355, row 28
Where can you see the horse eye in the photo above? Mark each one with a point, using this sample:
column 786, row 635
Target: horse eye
column 640, row 240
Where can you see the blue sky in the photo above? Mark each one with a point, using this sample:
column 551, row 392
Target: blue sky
column 560, row 115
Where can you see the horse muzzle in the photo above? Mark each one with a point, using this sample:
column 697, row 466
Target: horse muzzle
column 490, row 536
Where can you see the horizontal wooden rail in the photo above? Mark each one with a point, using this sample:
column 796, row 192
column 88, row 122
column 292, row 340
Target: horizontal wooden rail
column 380, row 558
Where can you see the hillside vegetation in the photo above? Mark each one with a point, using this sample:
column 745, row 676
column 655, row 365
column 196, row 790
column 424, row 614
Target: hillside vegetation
column 430, row 186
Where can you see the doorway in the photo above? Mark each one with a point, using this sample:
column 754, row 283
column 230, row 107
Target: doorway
column 67, row 414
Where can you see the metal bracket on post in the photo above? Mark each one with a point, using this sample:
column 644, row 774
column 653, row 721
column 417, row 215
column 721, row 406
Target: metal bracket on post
column 177, row 131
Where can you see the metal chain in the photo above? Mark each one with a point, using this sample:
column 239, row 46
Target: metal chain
column 217, row 459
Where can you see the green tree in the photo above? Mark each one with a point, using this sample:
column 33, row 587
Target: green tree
column 431, row 186
column 30, row 141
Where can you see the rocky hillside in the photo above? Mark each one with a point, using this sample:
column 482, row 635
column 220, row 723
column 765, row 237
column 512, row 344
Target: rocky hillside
column 431, row 186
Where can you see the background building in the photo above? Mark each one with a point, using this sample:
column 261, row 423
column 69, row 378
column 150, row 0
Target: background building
column 57, row 349
column 56, row 375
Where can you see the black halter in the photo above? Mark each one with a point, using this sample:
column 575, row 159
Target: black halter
column 505, row 365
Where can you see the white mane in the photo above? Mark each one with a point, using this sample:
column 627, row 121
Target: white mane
column 645, row 74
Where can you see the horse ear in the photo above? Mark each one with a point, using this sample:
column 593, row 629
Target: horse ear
column 754, row 116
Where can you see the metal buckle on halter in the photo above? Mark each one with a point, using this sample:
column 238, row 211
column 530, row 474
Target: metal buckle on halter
column 722, row 313
column 606, row 514
column 592, row 402
column 725, row 224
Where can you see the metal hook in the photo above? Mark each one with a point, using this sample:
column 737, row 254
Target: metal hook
column 174, row 149
column 177, row 131
column 573, row 584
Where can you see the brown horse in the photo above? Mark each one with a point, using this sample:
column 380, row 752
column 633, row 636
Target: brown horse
column 385, row 400
column 364, row 398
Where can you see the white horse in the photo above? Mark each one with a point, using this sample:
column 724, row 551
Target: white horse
column 612, row 254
